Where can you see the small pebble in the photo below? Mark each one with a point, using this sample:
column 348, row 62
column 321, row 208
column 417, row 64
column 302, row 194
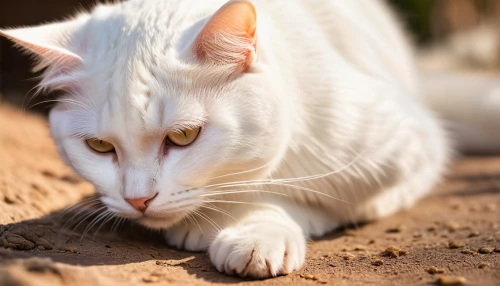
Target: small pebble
column 359, row 248
column 157, row 273
column 172, row 262
column 455, row 245
column 473, row 234
column 151, row 279
column 435, row 270
column 433, row 227
column 468, row 251
column 15, row 241
column 378, row 262
column 395, row 229
column 485, row 250
column 452, row 226
column 351, row 232
column 71, row 249
column 107, row 246
column 349, row 256
column 417, row 235
column 394, row 252
column 451, row 280
column 483, row 265
column 44, row 244
column 490, row 207
column 309, row 277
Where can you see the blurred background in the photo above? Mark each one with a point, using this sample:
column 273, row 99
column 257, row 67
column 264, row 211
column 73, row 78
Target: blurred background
column 453, row 33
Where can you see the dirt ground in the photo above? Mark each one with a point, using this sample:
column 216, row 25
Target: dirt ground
column 456, row 230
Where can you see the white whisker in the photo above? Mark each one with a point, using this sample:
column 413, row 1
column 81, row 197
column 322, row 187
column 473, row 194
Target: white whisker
column 290, row 180
column 208, row 219
column 219, row 210
column 287, row 185
column 215, row 193
column 96, row 220
column 109, row 217
column 241, row 172
column 89, row 215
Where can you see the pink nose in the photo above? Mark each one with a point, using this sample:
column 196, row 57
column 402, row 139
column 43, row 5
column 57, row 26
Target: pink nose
column 141, row 204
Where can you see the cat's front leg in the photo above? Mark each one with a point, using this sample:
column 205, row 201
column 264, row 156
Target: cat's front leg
column 192, row 234
column 266, row 242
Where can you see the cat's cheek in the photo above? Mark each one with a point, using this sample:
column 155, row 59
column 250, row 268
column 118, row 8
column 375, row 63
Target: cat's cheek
column 57, row 123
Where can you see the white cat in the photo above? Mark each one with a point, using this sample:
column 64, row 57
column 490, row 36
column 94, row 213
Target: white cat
column 242, row 127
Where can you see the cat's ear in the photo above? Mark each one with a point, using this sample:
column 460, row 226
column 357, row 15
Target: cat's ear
column 229, row 37
column 48, row 43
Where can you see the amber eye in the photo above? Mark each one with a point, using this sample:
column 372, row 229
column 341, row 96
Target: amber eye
column 182, row 138
column 100, row 146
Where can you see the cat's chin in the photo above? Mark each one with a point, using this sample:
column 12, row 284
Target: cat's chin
column 159, row 223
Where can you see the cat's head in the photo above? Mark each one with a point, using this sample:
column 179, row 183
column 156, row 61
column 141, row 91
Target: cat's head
column 157, row 107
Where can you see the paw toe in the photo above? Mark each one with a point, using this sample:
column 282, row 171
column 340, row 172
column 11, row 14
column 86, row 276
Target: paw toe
column 248, row 253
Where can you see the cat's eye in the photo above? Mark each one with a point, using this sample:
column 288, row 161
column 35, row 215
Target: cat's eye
column 100, row 146
column 182, row 138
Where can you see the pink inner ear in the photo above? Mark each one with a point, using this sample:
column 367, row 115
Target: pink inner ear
column 63, row 60
column 47, row 42
column 229, row 37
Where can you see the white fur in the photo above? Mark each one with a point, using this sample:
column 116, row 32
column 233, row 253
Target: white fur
column 327, row 127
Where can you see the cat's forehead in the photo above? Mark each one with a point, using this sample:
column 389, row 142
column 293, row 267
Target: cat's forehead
column 150, row 107
column 141, row 58
column 144, row 101
column 130, row 29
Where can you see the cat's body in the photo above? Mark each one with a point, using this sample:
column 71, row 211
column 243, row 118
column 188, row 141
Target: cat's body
column 315, row 122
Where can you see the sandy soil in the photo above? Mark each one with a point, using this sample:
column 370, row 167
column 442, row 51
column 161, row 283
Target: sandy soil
column 43, row 246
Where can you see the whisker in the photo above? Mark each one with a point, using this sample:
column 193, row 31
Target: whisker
column 86, row 208
column 215, row 193
column 120, row 221
column 241, row 172
column 288, row 185
column 78, row 204
column 291, row 180
column 115, row 223
column 216, row 209
column 191, row 217
column 63, row 100
column 208, row 219
column 109, row 217
column 94, row 221
column 193, row 220
column 232, row 202
column 87, row 216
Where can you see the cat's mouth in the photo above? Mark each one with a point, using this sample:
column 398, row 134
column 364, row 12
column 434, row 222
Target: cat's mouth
column 158, row 217
column 159, row 222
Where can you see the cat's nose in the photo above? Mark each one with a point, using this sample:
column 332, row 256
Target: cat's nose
column 141, row 204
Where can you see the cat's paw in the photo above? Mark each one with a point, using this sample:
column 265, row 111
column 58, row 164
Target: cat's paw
column 190, row 237
column 259, row 250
